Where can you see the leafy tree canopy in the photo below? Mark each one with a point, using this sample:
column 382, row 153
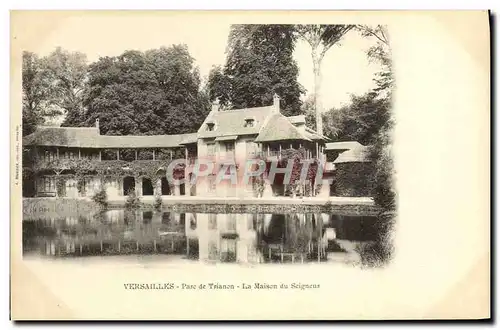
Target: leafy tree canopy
column 259, row 64
column 380, row 52
column 361, row 120
column 52, row 86
column 152, row 92
column 37, row 91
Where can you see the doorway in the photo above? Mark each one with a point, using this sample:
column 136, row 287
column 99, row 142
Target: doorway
column 128, row 185
column 147, row 187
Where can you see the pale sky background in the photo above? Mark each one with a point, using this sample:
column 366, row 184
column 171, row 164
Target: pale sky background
column 345, row 69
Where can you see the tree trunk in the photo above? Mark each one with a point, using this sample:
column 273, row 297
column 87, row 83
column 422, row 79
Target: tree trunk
column 317, row 90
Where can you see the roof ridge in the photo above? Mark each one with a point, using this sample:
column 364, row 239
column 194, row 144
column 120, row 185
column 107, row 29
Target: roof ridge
column 155, row 135
column 265, row 122
column 66, row 127
column 280, row 116
column 243, row 109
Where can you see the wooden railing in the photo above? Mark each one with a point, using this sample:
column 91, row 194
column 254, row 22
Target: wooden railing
column 277, row 154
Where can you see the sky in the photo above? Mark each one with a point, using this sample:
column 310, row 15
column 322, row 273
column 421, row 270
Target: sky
column 345, row 69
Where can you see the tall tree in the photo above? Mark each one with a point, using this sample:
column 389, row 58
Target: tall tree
column 380, row 52
column 321, row 38
column 219, row 85
column 37, row 92
column 68, row 70
column 259, row 64
column 381, row 149
column 309, row 111
column 152, row 92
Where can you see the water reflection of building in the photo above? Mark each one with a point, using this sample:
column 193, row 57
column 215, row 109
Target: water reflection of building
column 294, row 237
column 112, row 232
column 224, row 237
column 257, row 238
column 241, row 238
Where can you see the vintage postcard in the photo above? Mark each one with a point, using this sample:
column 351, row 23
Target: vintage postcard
column 280, row 165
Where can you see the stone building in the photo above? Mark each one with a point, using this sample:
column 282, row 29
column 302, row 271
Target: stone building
column 78, row 161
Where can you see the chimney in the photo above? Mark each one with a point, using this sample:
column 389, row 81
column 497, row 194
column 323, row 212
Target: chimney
column 215, row 105
column 276, row 103
column 97, row 123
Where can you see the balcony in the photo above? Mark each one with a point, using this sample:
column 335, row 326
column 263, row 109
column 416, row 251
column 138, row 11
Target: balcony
column 278, row 154
column 59, row 164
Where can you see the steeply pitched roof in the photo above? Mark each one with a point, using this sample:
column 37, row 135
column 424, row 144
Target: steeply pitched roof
column 359, row 154
column 269, row 125
column 78, row 137
column 310, row 133
column 141, row 141
column 344, row 145
column 297, row 119
column 89, row 137
column 231, row 122
column 279, row 128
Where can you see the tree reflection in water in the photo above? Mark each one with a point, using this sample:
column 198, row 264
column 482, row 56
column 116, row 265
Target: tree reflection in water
column 242, row 238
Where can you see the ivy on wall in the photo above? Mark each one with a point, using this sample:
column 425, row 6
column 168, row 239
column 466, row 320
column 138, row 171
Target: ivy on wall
column 110, row 168
column 354, row 179
column 297, row 156
column 107, row 170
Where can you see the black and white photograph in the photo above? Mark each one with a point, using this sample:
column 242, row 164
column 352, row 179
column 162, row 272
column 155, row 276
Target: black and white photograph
column 197, row 153
column 157, row 152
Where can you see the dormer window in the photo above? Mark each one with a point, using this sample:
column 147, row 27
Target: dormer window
column 249, row 122
column 210, row 127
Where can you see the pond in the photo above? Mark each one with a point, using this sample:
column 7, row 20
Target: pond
column 201, row 237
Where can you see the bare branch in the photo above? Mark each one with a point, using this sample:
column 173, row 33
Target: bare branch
column 370, row 32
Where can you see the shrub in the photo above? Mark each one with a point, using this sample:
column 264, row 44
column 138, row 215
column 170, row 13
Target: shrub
column 377, row 253
column 133, row 201
column 381, row 153
column 101, row 198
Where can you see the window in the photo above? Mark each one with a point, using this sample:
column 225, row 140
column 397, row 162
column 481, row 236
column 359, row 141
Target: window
column 228, row 245
column 48, row 184
column 251, row 148
column 231, row 222
column 49, row 155
column 229, row 148
column 210, row 127
column 211, row 149
column 89, row 154
column 228, row 250
column 70, row 154
column 249, row 122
